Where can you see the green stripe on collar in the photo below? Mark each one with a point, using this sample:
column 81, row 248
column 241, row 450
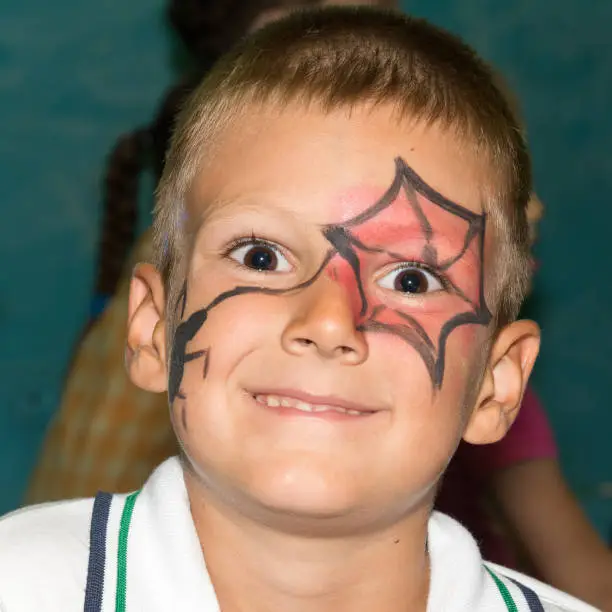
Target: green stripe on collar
column 505, row 593
column 124, row 530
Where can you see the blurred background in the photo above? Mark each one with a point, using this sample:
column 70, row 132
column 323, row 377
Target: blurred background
column 76, row 74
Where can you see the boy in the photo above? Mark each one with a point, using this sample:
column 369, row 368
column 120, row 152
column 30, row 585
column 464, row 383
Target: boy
column 332, row 310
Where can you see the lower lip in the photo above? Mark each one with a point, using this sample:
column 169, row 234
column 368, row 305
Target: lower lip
column 326, row 415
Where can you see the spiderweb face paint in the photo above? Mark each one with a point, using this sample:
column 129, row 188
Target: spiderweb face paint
column 409, row 202
column 426, row 209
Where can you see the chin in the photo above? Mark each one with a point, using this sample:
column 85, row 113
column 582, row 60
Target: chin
column 305, row 492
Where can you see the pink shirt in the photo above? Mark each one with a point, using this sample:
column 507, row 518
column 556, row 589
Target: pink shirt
column 463, row 494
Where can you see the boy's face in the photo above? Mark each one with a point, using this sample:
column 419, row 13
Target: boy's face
column 342, row 373
column 333, row 326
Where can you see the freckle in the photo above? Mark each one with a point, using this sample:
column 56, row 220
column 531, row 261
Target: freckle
column 396, row 541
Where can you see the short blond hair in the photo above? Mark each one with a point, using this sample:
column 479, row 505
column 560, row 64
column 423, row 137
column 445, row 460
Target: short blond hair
column 341, row 58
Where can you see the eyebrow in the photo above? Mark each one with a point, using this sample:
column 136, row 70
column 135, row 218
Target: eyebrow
column 217, row 209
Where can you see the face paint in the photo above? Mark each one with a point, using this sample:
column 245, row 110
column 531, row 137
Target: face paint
column 188, row 329
column 434, row 217
column 409, row 209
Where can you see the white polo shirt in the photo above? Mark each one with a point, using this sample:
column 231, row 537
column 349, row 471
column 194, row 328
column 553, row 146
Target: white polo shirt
column 140, row 553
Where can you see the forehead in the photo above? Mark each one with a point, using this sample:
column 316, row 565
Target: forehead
column 326, row 167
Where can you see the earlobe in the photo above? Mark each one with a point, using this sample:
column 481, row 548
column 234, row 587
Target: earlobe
column 510, row 364
column 146, row 340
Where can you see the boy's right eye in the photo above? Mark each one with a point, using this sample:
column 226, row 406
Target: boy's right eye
column 259, row 255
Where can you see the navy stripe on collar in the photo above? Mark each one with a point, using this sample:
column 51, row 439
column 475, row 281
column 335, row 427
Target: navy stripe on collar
column 535, row 605
column 97, row 552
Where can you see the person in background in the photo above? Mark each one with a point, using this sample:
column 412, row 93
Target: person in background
column 109, row 434
column 101, row 418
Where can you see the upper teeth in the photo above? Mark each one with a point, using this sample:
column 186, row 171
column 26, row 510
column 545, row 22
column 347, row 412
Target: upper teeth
column 274, row 401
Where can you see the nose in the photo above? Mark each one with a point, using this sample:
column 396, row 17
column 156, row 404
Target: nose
column 324, row 323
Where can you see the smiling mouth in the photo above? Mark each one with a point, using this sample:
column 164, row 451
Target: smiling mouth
column 322, row 405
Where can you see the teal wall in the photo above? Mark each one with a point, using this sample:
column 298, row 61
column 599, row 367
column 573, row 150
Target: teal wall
column 75, row 74
column 558, row 57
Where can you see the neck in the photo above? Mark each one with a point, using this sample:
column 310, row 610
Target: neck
column 255, row 568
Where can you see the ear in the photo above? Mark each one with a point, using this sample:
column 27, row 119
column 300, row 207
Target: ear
column 145, row 354
column 510, row 363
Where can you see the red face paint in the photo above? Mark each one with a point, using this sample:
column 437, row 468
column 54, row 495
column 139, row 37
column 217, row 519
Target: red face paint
column 411, row 223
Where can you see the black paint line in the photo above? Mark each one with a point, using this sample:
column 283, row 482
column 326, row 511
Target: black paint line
column 459, row 292
column 183, row 299
column 411, row 193
column 480, row 316
column 465, row 318
column 344, row 245
column 183, row 335
column 376, row 310
column 483, row 305
column 340, row 239
column 190, row 327
column 184, row 417
column 430, row 256
column 374, row 249
column 404, row 173
column 206, row 363
column 408, row 335
column 187, row 330
column 432, row 195
column 473, row 230
column 418, row 328
column 401, row 259
column 386, row 200
column 192, row 356
column 266, row 290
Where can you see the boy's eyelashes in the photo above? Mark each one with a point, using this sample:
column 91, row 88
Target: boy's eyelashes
column 258, row 254
column 405, row 277
column 412, row 278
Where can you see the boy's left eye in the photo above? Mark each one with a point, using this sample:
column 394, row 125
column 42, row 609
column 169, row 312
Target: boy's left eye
column 260, row 256
column 411, row 280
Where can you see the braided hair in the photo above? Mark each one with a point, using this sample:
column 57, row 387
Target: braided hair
column 206, row 28
column 144, row 148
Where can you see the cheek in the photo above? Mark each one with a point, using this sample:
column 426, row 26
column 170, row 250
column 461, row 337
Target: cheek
column 233, row 330
column 464, row 351
column 427, row 406
column 237, row 327
column 401, row 361
column 427, row 422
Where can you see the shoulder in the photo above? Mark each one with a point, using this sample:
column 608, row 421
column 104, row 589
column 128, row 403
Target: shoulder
column 44, row 553
column 52, row 527
column 551, row 599
column 459, row 574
